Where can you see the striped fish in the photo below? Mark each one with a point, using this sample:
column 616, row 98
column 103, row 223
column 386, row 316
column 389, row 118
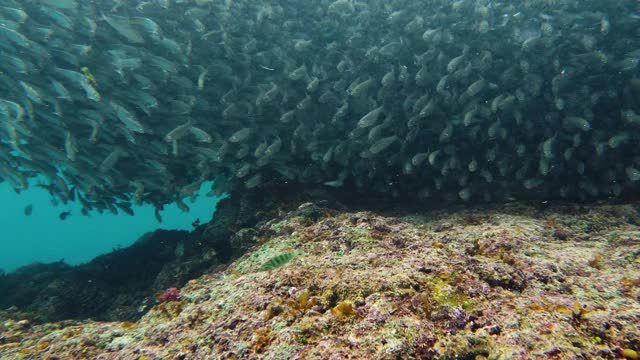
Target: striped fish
column 277, row 261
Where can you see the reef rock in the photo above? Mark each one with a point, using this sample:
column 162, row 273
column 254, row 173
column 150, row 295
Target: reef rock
column 473, row 283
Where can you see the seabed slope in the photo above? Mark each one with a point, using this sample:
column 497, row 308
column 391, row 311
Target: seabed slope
column 515, row 281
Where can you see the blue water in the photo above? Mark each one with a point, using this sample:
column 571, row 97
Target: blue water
column 43, row 237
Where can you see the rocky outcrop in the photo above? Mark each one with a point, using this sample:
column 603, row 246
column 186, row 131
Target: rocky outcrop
column 472, row 283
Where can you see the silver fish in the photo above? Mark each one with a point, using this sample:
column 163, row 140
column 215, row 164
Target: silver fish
column 127, row 118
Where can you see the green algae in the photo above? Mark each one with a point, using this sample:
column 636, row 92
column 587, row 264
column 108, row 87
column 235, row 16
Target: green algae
column 277, row 227
column 444, row 297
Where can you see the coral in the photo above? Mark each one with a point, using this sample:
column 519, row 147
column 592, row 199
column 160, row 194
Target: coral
column 629, row 354
column 596, row 262
column 261, row 340
column 171, row 294
column 303, row 303
column 343, row 310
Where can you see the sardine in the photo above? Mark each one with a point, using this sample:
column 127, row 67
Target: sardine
column 127, row 118
column 370, row 118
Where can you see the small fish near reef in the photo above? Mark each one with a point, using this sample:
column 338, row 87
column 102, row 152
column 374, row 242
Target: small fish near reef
column 28, row 210
column 65, row 214
column 277, row 261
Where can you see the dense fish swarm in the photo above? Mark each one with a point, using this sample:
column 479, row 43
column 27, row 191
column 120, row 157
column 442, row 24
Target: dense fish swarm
column 120, row 102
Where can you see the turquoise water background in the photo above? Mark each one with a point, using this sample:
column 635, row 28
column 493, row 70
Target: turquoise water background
column 43, row 237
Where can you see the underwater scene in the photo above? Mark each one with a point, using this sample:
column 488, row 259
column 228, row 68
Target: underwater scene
column 319, row 179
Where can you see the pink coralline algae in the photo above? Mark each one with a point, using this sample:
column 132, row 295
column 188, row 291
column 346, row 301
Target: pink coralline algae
column 171, row 294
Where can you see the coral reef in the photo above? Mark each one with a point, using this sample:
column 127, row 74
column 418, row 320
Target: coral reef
column 510, row 281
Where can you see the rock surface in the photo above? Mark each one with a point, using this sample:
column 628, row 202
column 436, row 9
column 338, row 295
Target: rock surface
column 120, row 285
column 514, row 281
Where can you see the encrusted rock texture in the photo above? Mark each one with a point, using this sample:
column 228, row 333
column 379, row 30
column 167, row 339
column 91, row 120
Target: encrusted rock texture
column 514, row 281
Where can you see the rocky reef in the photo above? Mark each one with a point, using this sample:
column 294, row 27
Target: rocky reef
column 120, row 285
column 321, row 280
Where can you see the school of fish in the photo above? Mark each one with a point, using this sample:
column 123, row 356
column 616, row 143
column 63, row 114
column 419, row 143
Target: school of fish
column 115, row 103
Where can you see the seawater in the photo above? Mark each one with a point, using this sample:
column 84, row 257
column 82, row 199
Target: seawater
column 43, row 237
